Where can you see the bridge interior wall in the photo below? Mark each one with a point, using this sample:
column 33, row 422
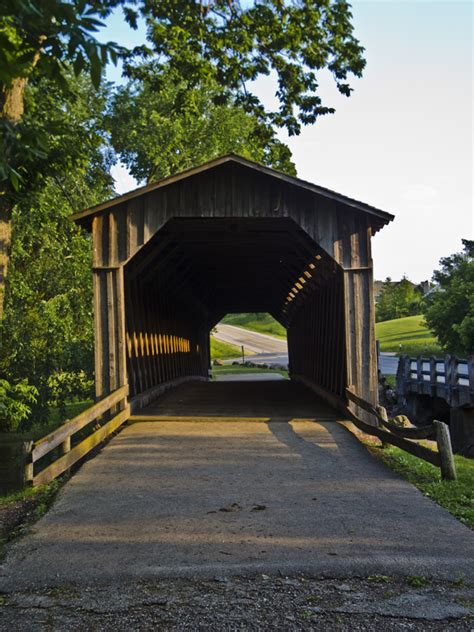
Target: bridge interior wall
column 165, row 338
column 316, row 338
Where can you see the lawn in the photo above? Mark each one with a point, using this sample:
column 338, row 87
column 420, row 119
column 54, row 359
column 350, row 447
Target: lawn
column 411, row 333
column 255, row 321
column 455, row 496
column 223, row 350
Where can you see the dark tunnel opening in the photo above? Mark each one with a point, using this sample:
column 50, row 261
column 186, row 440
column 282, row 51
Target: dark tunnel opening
column 194, row 271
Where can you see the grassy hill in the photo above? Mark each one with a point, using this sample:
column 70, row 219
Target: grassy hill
column 224, row 350
column 263, row 323
column 410, row 332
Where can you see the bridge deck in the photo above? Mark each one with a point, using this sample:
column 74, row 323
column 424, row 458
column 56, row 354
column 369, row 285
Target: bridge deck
column 232, row 496
column 280, row 400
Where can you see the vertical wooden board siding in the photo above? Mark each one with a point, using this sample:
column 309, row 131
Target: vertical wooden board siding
column 98, row 344
column 97, row 230
column 113, row 238
column 111, row 330
column 121, row 336
column 120, row 220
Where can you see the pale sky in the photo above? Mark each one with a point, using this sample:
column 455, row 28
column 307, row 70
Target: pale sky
column 404, row 140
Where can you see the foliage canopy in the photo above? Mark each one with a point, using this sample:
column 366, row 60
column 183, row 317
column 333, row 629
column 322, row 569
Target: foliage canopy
column 398, row 299
column 160, row 132
column 449, row 308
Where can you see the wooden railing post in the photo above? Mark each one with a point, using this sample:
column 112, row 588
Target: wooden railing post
column 433, row 376
column 27, row 462
column 402, row 376
column 443, row 439
column 419, row 374
column 382, row 411
column 65, row 446
column 470, row 372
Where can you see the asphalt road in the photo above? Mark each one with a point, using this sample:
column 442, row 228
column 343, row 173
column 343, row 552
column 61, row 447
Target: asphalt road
column 274, row 351
column 252, row 340
column 276, row 486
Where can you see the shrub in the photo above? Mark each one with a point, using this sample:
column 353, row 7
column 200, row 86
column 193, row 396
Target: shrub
column 15, row 403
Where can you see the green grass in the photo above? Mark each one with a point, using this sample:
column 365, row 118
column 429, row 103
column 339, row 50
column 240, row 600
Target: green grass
column 36, row 501
column 255, row 321
column 234, row 368
column 41, row 494
column 455, row 496
column 410, row 332
column 223, row 350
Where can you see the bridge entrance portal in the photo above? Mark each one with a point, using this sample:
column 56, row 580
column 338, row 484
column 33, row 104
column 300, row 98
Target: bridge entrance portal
column 172, row 258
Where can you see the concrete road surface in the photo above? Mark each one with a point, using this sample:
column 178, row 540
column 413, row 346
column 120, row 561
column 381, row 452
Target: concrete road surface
column 264, row 349
column 210, row 496
column 252, row 340
column 267, row 349
column 388, row 363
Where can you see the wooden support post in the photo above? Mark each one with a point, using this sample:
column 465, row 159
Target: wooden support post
column 382, row 411
column 433, row 377
column 27, row 463
column 66, row 446
column 443, row 439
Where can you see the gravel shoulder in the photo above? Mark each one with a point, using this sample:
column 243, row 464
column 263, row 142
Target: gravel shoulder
column 262, row 602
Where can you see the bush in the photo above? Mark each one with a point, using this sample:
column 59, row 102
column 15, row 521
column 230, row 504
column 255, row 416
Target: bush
column 69, row 386
column 15, row 403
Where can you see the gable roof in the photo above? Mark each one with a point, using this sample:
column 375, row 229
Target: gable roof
column 86, row 215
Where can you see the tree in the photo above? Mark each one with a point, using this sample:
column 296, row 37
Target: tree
column 197, row 39
column 234, row 43
column 47, row 333
column 158, row 133
column 398, row 299
column 449, row 308
column 38, row 38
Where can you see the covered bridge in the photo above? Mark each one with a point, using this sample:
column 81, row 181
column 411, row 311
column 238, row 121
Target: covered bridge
column 170, row 259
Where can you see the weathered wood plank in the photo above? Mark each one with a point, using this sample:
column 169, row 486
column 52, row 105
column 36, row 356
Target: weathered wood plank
column 82, row 449
column 55, row 438
column 443, row 439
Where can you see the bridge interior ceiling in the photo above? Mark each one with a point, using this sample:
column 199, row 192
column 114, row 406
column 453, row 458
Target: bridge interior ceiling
column 194, row 271
column 227, row 265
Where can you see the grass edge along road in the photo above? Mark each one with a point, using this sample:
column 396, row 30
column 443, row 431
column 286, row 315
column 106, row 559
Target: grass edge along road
column 410, row 332
column 408, row 335
column 223, row 350
column 239, row 368
column 261, row 323
column 455, row 496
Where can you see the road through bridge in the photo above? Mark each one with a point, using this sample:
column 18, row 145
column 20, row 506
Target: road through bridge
column 213, row 477
column 223, row 478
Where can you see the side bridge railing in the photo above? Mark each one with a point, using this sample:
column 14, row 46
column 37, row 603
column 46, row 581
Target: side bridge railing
column 66, row 447
column 449, row 378
column 405, row 438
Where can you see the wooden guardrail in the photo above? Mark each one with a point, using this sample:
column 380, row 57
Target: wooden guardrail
column 405, row 438
column 449, row 378
column 114, row 405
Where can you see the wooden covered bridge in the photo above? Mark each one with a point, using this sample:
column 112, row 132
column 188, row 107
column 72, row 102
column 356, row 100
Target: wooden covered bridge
column 170, row 259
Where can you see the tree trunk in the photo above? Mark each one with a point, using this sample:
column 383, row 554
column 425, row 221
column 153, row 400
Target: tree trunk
column 12, row 100
column 5, row 242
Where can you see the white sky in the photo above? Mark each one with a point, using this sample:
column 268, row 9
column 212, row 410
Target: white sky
column 404, row 140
